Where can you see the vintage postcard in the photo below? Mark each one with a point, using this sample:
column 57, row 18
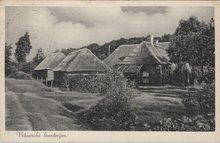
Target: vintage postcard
column 109, row 71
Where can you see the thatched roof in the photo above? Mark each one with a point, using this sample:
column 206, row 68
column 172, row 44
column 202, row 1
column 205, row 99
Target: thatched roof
column 164, row 45
column 82, row 60
column 51, row 61
column 128, row 68
column 147, row 53
column 119, row 54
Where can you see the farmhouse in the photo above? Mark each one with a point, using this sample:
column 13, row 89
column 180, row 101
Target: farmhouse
column 44, row 71
column 145, row 63
column 80, row 62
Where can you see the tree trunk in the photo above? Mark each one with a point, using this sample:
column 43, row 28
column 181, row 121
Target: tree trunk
column 202, row 71
column 19, row 66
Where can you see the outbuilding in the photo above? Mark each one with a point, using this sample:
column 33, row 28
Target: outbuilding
column 80, row 62
column 44, row 71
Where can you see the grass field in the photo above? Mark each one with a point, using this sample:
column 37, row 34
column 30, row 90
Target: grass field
column 32, row 106
column 155, row 105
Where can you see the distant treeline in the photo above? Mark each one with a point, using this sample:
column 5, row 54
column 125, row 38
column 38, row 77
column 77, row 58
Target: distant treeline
column 102, row 51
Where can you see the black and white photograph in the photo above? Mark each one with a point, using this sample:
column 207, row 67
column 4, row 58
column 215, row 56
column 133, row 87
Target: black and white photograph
column 110, row 68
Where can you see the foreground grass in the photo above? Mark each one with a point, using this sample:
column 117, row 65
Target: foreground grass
column 32, row 106
column 153, row 107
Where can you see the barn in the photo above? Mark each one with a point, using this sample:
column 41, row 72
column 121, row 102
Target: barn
column 80, row 62
column 44, row 71
column 144, row 63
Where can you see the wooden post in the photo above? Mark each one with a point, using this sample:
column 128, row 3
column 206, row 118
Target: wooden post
column 52, row 84
column 160, row 73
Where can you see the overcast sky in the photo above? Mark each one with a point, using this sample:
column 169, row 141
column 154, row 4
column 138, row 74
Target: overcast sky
column 54, row 28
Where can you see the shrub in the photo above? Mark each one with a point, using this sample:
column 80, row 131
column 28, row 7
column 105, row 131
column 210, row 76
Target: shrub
column 198, row 123
column 114, row 112
column 191, row 104
column 202, row 105
column 202, row 102
column 83, row 83
column 27, row 67
column 20, row 75
column 209, row 76
column 11, row 69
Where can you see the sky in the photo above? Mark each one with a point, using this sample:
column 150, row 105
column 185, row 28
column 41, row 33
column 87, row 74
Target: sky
column 52, row 28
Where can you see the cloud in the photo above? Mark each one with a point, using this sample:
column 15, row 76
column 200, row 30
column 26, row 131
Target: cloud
column 147, row 9
column 60, row 27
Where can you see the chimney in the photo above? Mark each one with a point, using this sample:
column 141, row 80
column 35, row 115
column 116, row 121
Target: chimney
column 109, row 50
column 151, row 39
column 156, row 41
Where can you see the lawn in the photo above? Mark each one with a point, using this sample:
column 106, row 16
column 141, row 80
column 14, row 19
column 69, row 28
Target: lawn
column 32, row 106
column 153, row 105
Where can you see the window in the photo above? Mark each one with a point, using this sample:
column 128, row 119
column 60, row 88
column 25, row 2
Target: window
column 146, row 77
column 145, row 74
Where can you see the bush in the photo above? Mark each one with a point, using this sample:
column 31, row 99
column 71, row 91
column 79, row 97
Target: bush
column 209, row 76
column 83, row 83
column 198, row 123
column 114, row 112
column 10, row 69
column 20, row 75
column 202, row 102
column 27, row 67
column 202, row 105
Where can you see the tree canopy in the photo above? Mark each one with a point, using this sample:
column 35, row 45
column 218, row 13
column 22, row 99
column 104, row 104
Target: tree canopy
column 23, row 47
column 193, row 42
column 8, row 54
column 39, row 57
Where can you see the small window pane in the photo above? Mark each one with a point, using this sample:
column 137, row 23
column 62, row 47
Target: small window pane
column 145, row 74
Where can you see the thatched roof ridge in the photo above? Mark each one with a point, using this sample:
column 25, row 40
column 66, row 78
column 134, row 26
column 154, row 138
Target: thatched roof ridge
column 51, row 61
column 147, row 53
column 82, row 60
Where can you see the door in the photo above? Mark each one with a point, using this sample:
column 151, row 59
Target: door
column 50, row 75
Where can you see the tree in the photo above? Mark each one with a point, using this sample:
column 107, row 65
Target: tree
column 39, row 57
column 165, row 38
column 23, row 48
column 68, row 51
column 56, row 51
column 93, row 48
column 8, row 54
column 193, row 42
